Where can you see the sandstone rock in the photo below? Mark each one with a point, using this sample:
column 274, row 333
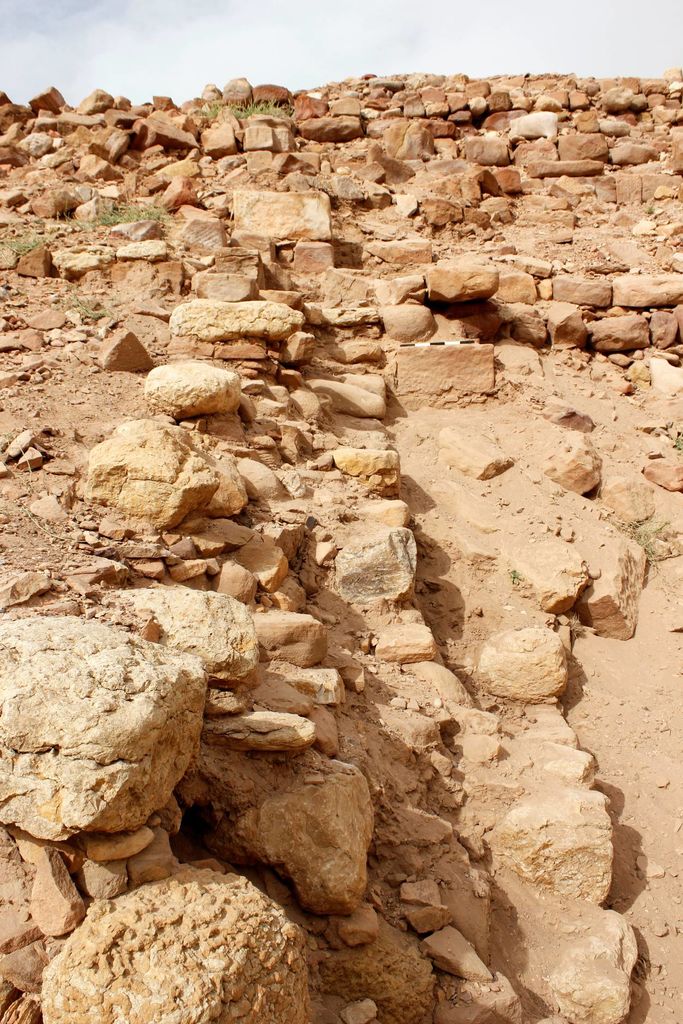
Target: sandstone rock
column 443, row 680
column 219, row 141
column 265, row 560
column 488, row 150
column 21, row 588
column 566, row 326
column 668, row 475
column 380, row 566
column 390, row 971
column 56, row 906
column 539, row 125
column 119, row 846
column 582, row 291
column 360, row 927
column 610, row 604
column 363, row 1011
column 289, row 636
column 214, row 627
column 103, row 881
column 405, row 643
column 192, row 389
column 210, row 320
column 591, row 981
column 560, row 842
column 153, row 863
column 261, row 730
column 643, row 291
column 350, row 399
column 331, row 129
column 124, row 721
column 380, row 468
column 408, row 322
column 260, row 481
column 440, row 374
column 620, row 333
column 462, row 280
column 125, row 352
column 666, row 378
column 283, row 214
column 231, row 495
column 308, row 817
column 631, row 499
column 524, row 664
column 236, row 581
column 474, row 456
column 452, row 953
column 195, row 947
column 575, row 465
column 145, row 470
column 557, row 573
column 408, row 140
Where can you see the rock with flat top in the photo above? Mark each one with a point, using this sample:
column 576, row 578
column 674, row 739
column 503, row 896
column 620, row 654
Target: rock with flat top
column 405, row 642
column 628, row 496
column 290, row 636
column 212, row 320
column 261, row 730
column 451, row 952
column 524, row 664
column 556, row 571
column 462, row 280
column 610, row 604
column 283, row 214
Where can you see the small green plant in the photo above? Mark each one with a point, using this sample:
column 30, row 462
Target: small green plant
column 678, row 443
column 128, row 213
column 22, row 243
column 85, row 309
column 651, row 536
column 650, row 210
column 244, row 110
column 516, row 578
column 210, row 110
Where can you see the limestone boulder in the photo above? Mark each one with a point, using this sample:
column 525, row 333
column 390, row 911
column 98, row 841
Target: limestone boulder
column 145, row 470
column 574, row 464
column 308, row 817
column 559, row 842
column 291, row 636
column 524, row 664
column 211, row 320
column 557, row 573
column 620, row 333
column 124, row 720
column 261, row 730
column 379, row 468
column 462, row 280
column 350, row 399
column 192, row 388
column 591, row 980
column 380, row 565
column 195, row 948
column 283, row 214
column 641, row 291
column 473, row 455
column 214, row 627
column 405, row 643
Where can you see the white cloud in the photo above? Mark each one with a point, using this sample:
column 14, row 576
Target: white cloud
column 174, row 47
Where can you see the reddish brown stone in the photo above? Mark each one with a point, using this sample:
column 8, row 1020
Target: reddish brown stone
column 306, row 107
column 331, row 129
column 668, row 475
column 271, row 94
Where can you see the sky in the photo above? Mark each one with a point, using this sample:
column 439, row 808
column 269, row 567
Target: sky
column 140, row 48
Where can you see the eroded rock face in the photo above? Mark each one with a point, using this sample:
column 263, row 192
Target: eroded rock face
column 283, row 214
column 592, row 980
column 196, row 948
column 192, row 388
column 311, row 819
column 560, row 842
column 211, row 320
column 145, row 470
column 383, row 566
column 214, row 627
column 124, row 721
column 524, row 664
column 390, row 971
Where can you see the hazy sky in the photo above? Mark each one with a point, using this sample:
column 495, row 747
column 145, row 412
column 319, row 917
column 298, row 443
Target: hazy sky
column 174, row 47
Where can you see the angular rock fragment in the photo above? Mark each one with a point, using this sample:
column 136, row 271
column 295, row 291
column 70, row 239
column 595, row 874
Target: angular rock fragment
column 524, row 664
column 211, row 320
column 192, row 388
column 381, row 566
